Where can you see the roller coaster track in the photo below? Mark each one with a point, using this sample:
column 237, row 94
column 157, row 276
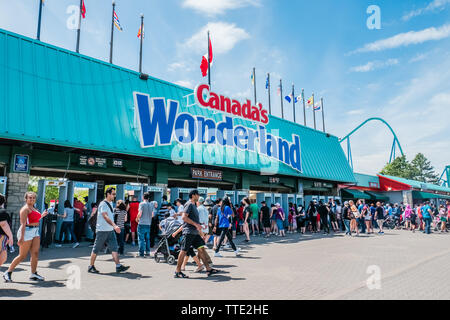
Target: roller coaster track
column 445, row 177
column 395, row 144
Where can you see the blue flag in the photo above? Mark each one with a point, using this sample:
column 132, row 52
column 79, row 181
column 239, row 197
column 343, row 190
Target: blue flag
column 267, row 82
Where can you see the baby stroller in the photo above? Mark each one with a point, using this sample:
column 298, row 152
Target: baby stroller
column 168, row 247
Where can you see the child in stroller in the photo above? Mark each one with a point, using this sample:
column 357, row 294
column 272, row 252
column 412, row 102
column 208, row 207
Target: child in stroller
column 168, row 247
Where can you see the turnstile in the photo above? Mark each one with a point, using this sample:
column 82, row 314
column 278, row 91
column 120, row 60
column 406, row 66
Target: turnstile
column 62, row 197
column 286, row 199
column 308, row 199
column 3, row 181
column 227, row 193
column 299, row 200
column 156, row 193
column 240, row 195
column 122, row 189
column 92, row 198
column 264, row 196
column 183, row 193
column 277, row 198
column 322, row 198
column 338, row 198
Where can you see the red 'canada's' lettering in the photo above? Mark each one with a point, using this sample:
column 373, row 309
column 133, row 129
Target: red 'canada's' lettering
column 208, row 99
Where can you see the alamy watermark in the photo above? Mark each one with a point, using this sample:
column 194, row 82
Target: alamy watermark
column 374, row 20
column 74, row 280
column 374, row 281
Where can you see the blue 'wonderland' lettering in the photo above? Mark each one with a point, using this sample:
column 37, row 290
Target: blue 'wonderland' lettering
column 160, row 124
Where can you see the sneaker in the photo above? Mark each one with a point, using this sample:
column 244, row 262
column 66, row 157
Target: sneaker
column 7, row 276
column 122, row 268
column 237, row 251
column 58, row 245
column 133, row 244
column 92, row 269
column 217, row 254
column 146, row 254
column 36, row 277
column 76, row 245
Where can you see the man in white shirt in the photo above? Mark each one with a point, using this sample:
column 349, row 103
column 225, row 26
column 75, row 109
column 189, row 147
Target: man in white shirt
column 105, row 232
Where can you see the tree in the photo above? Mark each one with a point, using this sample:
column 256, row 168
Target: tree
column 423, row 170
column 400, row 167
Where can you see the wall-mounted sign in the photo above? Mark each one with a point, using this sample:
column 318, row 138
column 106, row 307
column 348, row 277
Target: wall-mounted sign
column 317, row 184
column 206, row 174
column 374, row 185
column 242, row 129
column 21, row 163
column 274, row 180
column 117, row 163
column 91, row 161
column 55, row 183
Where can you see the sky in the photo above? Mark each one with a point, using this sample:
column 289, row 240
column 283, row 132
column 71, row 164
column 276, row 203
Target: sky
column 398, row 71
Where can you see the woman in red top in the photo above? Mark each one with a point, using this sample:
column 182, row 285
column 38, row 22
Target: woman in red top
column 28, row 237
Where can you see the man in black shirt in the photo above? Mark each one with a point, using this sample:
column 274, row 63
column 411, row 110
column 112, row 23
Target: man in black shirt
column 192, row 236
column 323, row 211
column 265, row 218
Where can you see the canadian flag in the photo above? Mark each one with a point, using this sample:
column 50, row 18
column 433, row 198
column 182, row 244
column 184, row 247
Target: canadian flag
column 204, row 64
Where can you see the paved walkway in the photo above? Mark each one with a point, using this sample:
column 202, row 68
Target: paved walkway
column 407, row 265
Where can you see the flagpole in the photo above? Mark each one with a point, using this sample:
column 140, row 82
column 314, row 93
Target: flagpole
column 323, row 117
column 142, row 37
column 209, row 64
column 293, row 101
column 254, row 83
column 39, row 20
column 270, row 108
column 304, row 108
column 281, row 94
column 112, row 32
column 314, row 111
column 79, row 28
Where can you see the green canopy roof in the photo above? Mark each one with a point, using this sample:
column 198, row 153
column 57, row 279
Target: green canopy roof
column 377, row 196
column 427, row 195
column 354, row 194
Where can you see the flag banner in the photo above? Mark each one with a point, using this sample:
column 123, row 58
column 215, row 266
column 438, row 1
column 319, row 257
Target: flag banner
column 279, row 91
column 267, row 82
column 83, row 10
column 300, row 98
column 253, row 78
column 317, row 107
column 117, row 22
column 141, row 32
column 310, row 101
column 204, row 64
column 289, row 98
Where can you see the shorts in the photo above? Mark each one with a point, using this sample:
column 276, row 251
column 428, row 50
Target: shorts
column 333, row 217
column 133, row 225
column 266, row 223
column 280, row 225
column 192, row 240
column 318, row 218
column 254, row 221
column 105, row 237
column 30, row 233
column 443, row 219
column 3, row 243
column 380, row 222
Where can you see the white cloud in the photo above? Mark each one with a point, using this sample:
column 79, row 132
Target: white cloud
column 185, row 83
column 372, row 65
column 176, row 66
column 356, row 112
column 419, row 57
column 436, row 5
column 216, row 7
column 406, row 39
column 224, row 36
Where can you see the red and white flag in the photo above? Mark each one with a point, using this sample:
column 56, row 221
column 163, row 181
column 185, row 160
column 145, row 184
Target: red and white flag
column 204, row 64
column 83, row 10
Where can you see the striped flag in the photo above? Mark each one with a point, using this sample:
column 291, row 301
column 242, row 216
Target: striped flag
column 317, row 106
column 117, row 22
column 141, row 32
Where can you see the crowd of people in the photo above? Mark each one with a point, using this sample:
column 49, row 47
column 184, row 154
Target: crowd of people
column 201, row 222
